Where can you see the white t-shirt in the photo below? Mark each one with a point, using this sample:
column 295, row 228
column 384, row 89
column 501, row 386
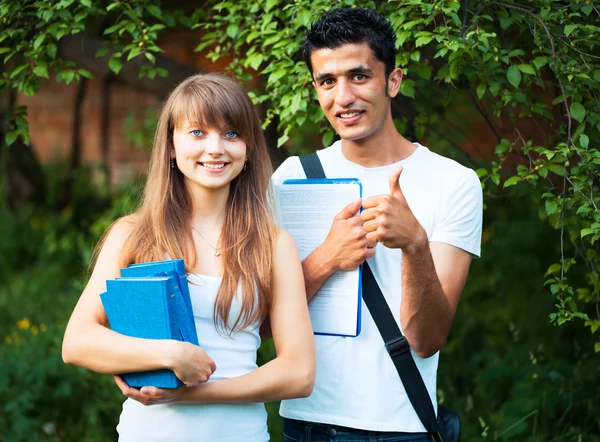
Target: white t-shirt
column 357, row 384
column 234, row 356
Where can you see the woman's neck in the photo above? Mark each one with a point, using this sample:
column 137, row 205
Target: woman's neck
column 209, row 208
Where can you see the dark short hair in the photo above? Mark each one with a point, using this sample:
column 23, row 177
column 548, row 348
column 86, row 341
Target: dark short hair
column 352, row 25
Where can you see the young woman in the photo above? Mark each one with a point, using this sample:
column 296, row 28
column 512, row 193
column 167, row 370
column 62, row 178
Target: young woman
column 206, row 200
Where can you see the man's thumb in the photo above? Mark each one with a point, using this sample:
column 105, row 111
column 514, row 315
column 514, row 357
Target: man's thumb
column 349, row 210
column 395, row 182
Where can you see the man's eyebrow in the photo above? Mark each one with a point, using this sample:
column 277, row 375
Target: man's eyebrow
column 322, row 76
column 357, row 70
column 360, row 70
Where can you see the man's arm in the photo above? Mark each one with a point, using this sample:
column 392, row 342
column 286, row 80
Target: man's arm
column 433, row 274
column 433, row 277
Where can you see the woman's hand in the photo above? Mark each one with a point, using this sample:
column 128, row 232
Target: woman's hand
column 150, row 395
column 191, row 364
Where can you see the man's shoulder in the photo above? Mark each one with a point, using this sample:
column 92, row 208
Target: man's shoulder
column 291, row 168
column 441, row 166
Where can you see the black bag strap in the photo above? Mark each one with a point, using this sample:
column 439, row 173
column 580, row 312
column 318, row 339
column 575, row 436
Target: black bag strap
column 312, row 166
column 395, row 343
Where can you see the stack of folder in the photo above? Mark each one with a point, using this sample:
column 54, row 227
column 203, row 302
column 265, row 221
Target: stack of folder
column 151, row 300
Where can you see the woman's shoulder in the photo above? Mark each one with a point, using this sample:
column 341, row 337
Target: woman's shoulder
column 283, row 241
column 122, row 228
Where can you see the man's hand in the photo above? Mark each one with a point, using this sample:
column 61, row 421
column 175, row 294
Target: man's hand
column 150, row 395
column 389, row 220
column 346, row 245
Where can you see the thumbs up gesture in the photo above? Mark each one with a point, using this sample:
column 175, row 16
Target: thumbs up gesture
column 389, row 220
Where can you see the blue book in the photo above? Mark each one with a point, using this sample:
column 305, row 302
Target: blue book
column 144, row 308
column 183, row 304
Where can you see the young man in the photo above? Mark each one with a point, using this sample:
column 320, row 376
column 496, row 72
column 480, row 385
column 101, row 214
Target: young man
column 419, row 229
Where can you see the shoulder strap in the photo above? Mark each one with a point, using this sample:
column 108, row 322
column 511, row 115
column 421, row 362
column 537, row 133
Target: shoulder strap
column 312, row 166
column 399, row 350
column 395, row 343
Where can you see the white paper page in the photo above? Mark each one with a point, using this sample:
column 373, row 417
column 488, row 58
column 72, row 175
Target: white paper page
column 306, row 212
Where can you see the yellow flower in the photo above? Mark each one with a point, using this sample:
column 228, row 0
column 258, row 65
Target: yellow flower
column 23, row 324
column 8, row 340
column 43, row 328
column 34, row 330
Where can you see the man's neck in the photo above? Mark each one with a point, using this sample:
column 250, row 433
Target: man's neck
column 387, row 147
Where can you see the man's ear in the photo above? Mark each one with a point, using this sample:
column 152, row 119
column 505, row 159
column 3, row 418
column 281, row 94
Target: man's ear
column 394, row 82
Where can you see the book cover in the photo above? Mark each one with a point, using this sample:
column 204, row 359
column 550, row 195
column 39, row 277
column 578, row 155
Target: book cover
column 176, row 268
column 144, row 308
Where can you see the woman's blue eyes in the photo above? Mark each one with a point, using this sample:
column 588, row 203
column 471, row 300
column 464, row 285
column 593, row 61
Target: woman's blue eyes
column 231, row 134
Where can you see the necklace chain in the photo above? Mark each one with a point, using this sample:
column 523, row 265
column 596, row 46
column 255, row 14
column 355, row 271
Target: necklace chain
column 217, row 252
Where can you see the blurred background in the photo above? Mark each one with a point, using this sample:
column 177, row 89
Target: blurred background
column 510, row 89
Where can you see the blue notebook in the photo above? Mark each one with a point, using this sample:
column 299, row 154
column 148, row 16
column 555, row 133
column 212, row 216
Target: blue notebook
column 144, row 308
column 183, row 304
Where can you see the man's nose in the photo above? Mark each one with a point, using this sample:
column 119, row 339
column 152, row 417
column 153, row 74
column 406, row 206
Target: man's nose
column 344, row 94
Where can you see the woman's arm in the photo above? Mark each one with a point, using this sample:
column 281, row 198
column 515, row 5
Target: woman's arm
column 90, row 344
column 290, row 375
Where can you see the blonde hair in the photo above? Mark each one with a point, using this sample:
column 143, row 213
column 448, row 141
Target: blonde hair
column 248, row 235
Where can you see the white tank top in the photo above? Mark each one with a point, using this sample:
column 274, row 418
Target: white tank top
column 234, row 356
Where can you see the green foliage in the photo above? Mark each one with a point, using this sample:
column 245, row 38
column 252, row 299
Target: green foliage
column 509, row 375
column 508, row 55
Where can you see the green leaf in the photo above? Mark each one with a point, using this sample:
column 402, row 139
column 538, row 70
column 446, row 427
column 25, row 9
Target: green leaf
column 569, row 29
column 51, row 50
column 551, row 207
column 526, row 69
column 232, row 30
column 584, row 141
column 115, row 64
column 407, row 88
column 577, row 111
column 587, row 9
column 586, row 232
column 554, row 268
column 303, row 17
column 514, row 76
column 327, row 138
column 494, row 88
column 280, row 73
column 16, row 71
column 481, row 90
column 422, row 41
column 557, row 169
column 281, row 140
column 102, row 52
column 481, row 172
column 255, row 60
column 87, row 3
column 597, row 75
column 69, row 76
column 540, row 62
column 155, row 11
column 511, row 181
column 38, row 41
column 41, row 71
column 11, row 137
